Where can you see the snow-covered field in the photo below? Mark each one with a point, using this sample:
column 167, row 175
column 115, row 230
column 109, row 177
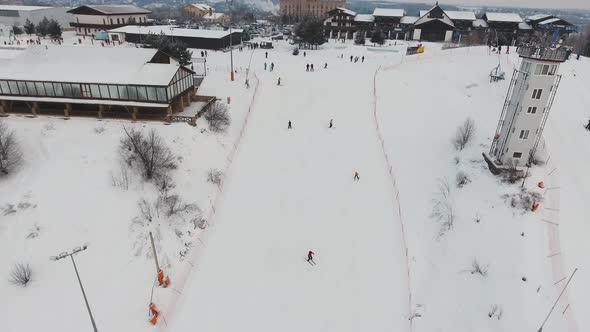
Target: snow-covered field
column 383, row 263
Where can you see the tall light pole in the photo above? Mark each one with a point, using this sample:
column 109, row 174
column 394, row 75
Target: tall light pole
column 71, row 255
column 231, row 53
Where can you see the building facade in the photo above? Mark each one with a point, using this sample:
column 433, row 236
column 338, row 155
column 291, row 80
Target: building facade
column 196, row 10
column 527, row 105
column 72, row 80
column 297, row 9
column 340, row 24
column 17, row 15
column 434, row 25
column 389, row 22
column 90, row 19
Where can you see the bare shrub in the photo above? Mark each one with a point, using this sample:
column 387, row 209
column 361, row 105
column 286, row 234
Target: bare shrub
column 218, row 117
column 477, row 268
column 442, row 209
column 148, row 153
column 495, row 311
column 122, row 177
column 11, row 156
column 173, row 205
column 464, row 134
column 462, row 179
column 512, row 174
column 21, row 274
column 215, row 176
column 99, row 130
column 524, row 199
column 34, row 232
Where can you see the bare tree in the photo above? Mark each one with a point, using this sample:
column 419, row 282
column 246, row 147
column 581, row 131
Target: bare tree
column 148, row 153
column 121, row 178
column 464, row 134
column 173, row 205
column 214, row 176
column 10, row 152
column 462, row 179
column 21, row 274
column 442, row 209
column 218, row 117
column 477, row 268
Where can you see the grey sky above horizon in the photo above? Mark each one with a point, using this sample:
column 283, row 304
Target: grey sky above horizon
column 579, row 4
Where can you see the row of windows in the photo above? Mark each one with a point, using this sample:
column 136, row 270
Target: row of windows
column 130, row 20
column 540, row 69
column 82, row 90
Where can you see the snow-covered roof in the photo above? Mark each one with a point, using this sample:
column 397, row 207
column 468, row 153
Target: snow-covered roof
column 524, row 26
column 424, row 17
column 538, row 17
column 364, row 18
column 22, row 8
column 460, row 15
column 480, row 23
column 389, row 12
column 503, row 17
column 409, row 20
column 112, row 9
column 346, row 11
column 202, row 6
column 549, row 21
column 85, row 101
column 213, row 16
column 83, row 64
column 171, row 30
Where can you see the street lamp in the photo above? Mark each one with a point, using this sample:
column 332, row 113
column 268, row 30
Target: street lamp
column 71, row 255
column 231, row 54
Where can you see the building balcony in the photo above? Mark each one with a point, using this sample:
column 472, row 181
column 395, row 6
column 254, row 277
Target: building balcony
column 541, row 53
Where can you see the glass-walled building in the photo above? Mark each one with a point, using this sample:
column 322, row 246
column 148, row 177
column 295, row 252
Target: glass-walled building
column 130, row 77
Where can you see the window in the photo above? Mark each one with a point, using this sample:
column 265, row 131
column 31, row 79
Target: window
column 86, row 91
column 552, row 70
column 4, row 87
column 104, row 21
column 151, row 93
column 76, row 90
column 31, row 87
column 58, row 88
column 141, row 93
column 114, row 92
column 161, row 92
column 524, row 134
column 49, row 89
column 532, row 110
column 123, row 92
column 67, row 89
column 537, row 93
column 118, row 22
column 22, row 86
column 111, row 21
column 95, row 90
column 132, row 91
column 545, row 69
column 517, row 155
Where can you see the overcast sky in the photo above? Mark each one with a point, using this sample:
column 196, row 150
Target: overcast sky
column 581, row 4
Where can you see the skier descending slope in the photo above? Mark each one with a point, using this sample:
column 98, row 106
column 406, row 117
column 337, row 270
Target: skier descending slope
column 310, row 257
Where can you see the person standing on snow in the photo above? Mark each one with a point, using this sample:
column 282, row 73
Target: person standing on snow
column 363, row 58
column 331, row 125
column 356, row 176
column 265, row 66
column 310, row 256
column 307, row 67
column 326, row 65
column 289, row 125
column 272, row 66
column 304, row 54
column 311, row 67
column 279, row 82
column 588, row 125
column 266, row 55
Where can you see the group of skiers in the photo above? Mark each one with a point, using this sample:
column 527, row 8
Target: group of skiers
column 272, row 66
column 356, row 58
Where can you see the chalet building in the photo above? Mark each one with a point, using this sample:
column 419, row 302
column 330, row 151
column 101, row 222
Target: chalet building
column 340, row 24
column 504, row 25
column 219, row 18
column 198, row 10
column 388, row 21
column 365, row 24
column 549, row 22
column 297, row 9
column 90, row 19
column 192, row 38
column 434, row 25
column 122, row 82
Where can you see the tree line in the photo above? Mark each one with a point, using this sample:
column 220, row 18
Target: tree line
column 46, row 27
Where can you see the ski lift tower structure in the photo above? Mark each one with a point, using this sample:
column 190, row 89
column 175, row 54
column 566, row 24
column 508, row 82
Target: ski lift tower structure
column 526, row 108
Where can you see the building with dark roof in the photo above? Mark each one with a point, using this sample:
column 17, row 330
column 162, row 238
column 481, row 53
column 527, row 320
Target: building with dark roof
column 90, row 19
column 434, row 25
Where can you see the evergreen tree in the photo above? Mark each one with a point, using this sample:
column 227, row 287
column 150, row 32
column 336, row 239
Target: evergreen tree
column 54, row 30
column 378, row 37
column 174, row 48
column 359, row 39
column 310, row 31
column 17, row 30
column 43, row 27
column 29, row 27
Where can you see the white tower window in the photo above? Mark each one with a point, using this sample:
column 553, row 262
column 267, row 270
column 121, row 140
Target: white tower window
column 532, row 110
column 524, row 134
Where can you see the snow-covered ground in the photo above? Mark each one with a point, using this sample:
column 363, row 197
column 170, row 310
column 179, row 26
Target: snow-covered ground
column 290, row 191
